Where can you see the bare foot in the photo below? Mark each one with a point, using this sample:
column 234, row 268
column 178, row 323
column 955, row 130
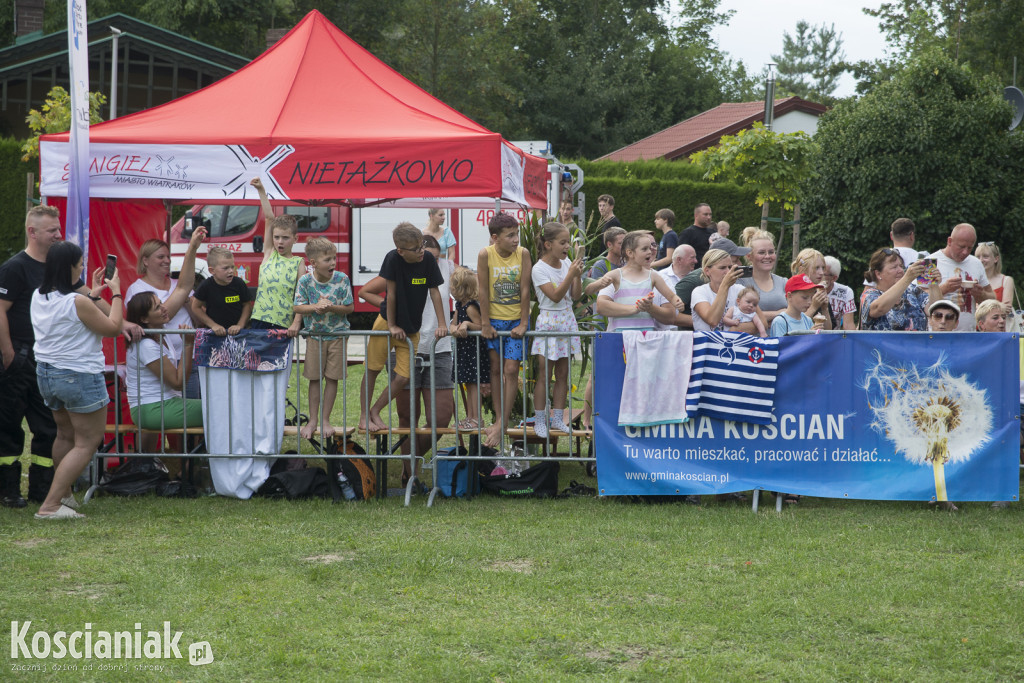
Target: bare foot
column 327, row 431
column 493, row 434
column 306, row 431
column 361, row 426
column 376, row 424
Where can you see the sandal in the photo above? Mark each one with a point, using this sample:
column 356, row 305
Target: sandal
column 63, row 512
column 468, row 424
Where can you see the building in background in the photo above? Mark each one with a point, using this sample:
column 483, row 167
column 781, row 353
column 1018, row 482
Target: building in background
column 154, row 65
column 704, row 130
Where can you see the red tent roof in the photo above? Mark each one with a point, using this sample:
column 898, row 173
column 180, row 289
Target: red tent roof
column 324, row 105
column 705, row 129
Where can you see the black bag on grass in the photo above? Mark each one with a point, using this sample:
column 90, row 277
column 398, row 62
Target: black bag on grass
column 311, row 482
column 135, row 477
column 358, row 471
column 539, row 481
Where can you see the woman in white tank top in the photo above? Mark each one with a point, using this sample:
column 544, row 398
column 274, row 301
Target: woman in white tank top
column 69, row 367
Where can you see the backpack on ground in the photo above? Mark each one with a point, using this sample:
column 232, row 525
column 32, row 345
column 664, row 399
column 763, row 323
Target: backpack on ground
column 311, row 482
column 358, row 471
column 456, row 478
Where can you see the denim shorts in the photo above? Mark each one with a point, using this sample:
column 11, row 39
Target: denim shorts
column 76, row 392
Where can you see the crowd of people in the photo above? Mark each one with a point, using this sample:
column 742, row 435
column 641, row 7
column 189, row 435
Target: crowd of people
column 697, row 279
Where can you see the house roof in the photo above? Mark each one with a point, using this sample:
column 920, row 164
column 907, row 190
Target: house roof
column 706, row 128
column 54, row 46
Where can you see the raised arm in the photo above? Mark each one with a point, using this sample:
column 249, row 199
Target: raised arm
column 187, row 277
column 268, row 213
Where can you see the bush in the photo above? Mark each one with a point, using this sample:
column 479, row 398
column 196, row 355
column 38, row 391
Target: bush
column 641, row 170
column 636, row 201
column 12, row 197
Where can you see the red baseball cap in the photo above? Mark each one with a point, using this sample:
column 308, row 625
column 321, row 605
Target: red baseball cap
column 800, row 282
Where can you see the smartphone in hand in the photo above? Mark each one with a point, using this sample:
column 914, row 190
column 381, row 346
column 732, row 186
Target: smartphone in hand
column 111, row 267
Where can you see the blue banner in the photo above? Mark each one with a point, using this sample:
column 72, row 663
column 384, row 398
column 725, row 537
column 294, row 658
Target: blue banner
column 883, row 416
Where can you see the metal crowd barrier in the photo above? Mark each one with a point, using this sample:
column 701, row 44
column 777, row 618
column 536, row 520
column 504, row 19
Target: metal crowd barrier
column 387, row 443
column 506, row 448
column 114, row 447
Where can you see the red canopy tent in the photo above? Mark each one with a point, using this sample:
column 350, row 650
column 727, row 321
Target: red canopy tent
column 320, row 119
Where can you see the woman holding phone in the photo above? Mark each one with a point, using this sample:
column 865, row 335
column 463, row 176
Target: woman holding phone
column 69, row 328
column 770, row 287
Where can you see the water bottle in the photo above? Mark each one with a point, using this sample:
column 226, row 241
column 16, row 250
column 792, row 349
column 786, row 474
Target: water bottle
column 346, row 487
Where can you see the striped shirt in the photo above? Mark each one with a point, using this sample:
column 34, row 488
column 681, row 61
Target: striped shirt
column 628, row 294
column 733, row 377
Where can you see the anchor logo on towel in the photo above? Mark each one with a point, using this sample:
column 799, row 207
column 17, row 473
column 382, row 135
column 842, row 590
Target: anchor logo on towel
column 731, row 344
column 254, row 166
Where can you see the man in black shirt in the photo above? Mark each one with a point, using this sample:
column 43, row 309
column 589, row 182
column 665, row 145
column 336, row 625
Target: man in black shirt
column 21, row 275
column 698, row 235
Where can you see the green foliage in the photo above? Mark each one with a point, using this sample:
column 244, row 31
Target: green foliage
column 55, row 117
column 985, row 34
column 641, row 170
column 811, row 62
column 12, row 196
column 774, row 165
column 931, row 145
column 636, row 201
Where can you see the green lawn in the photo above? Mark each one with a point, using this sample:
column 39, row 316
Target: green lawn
column 506, row 590
column 534, row 590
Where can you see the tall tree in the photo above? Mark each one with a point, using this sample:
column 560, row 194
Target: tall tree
column 811, row 62
column 987, row 34
column 931, row 144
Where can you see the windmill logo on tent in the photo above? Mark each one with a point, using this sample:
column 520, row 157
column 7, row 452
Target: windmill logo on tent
column 253, row 167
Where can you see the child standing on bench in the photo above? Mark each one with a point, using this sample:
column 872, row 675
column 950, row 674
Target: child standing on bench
column 279, row 270
column 558, row 283
column 503, row 270
column 222, row 302
column 323, row 301
column 473, row 366
column 411, row 274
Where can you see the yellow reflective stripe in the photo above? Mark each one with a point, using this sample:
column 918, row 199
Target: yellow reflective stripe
column 8, row 460
column 40, row 460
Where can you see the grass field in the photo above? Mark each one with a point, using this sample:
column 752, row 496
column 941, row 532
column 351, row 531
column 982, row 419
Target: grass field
column 508, row 590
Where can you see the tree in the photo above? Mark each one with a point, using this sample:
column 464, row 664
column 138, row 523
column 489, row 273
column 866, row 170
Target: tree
column 987, row 34
column 775, row 165
column 55, row 117
column 931, row 145
column 811, row 62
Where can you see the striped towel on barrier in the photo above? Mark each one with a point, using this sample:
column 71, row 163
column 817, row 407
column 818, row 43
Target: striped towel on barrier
column 733, row 377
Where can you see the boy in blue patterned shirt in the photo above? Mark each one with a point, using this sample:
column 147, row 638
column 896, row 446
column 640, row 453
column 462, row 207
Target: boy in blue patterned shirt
column 323, row 300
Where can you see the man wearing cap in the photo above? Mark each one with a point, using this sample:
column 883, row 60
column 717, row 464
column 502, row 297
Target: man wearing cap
column 799, row 292
column 943, row 316
column 686, row 285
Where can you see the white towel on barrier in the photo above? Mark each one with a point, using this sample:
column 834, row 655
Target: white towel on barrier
column 657, row 372
column 243, row 412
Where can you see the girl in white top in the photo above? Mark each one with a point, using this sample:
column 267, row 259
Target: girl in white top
column 626, row 293
column 69, row 367
column 156, row 376
column 557, row 283
column 710, row 301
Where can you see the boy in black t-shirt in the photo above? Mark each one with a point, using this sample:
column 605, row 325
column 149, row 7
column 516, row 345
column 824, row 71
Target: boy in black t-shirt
column 411, row 274
column 222, row 302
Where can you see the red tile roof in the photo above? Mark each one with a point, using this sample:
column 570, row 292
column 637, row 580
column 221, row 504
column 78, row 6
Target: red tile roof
column 705, row 129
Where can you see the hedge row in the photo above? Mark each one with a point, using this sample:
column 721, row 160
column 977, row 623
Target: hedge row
column 12, row 197
column 636, row 201
column 640, row 170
